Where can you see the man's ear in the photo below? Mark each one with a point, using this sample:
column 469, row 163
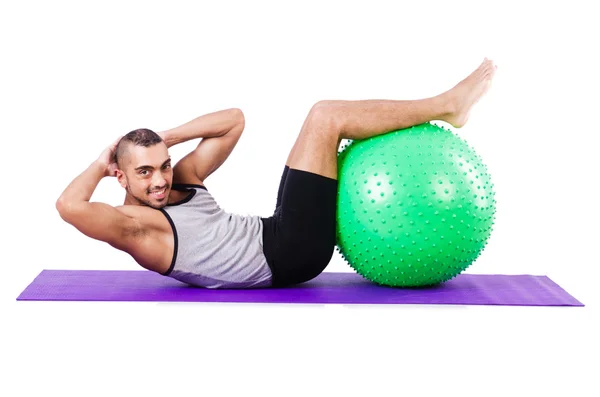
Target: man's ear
column 121, row 178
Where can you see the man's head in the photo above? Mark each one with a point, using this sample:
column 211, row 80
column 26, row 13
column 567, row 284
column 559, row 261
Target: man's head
column 144, row 167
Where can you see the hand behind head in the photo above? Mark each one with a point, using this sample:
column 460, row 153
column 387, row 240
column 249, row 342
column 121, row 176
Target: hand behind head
column 107, row 158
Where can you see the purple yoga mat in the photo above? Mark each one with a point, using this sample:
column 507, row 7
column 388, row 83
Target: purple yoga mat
column 328, row 287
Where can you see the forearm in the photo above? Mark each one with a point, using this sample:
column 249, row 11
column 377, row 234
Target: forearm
column 83, row 186
column 210, row 125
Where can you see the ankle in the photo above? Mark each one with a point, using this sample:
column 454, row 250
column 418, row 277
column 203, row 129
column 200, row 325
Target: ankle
column 447, row 104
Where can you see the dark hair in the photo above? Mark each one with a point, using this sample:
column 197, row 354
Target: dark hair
column 140, row 137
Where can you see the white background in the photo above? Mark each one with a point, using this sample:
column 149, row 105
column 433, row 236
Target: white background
column 74, row 76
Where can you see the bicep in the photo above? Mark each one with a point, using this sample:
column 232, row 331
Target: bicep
column 102, row 222
column 208, row 156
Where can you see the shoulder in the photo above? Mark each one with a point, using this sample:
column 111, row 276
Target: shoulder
column 146, row 220
column 181, row 193
column 150, row 242
column 186, row 187
column 135, row 211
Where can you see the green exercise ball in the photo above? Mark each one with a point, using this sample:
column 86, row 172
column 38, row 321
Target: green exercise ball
column 415, row 206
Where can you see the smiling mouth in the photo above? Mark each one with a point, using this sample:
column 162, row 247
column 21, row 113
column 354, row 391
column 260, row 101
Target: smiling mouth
column 159, row 193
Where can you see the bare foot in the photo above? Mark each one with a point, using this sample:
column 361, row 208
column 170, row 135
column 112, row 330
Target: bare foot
column 468, row 92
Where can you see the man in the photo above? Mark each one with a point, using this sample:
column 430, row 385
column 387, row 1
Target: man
column 170, row 223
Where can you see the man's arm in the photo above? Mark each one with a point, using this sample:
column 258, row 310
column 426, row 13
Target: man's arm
column 220, row 131
column 97, row 220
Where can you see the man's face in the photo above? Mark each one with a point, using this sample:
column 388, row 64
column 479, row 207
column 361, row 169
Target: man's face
column 148, row 175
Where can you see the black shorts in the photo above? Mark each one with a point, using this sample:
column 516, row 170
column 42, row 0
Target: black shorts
column 299, row 239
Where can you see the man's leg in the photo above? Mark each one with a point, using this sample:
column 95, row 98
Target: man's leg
column 328, row 122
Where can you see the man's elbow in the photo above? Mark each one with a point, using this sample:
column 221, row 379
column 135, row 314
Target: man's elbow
column 240, row 119
column 64, row 208
column 60, row 204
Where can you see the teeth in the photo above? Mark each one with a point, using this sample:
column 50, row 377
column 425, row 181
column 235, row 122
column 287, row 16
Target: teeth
column 159, row 192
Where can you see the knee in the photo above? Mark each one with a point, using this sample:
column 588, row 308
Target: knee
column 326, row 103
column 327, row 114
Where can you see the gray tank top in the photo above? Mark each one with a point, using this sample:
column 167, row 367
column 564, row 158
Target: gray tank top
column 214, row 248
